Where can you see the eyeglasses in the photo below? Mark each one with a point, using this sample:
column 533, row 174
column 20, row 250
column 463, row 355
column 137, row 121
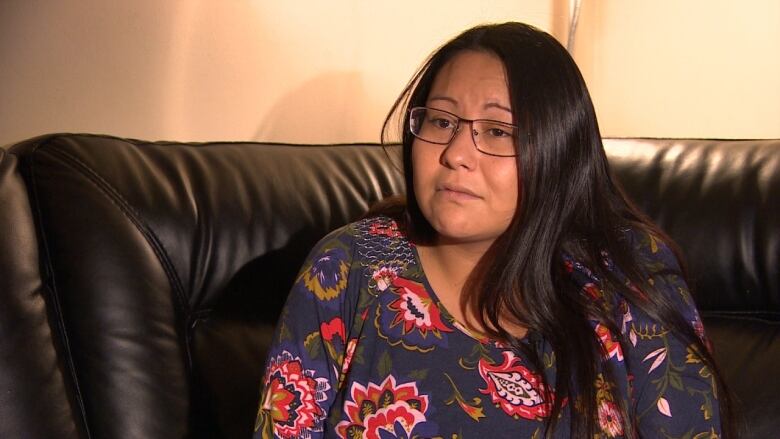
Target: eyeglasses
column 490, row 137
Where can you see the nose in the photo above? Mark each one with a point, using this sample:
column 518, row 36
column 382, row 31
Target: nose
column 461, row 151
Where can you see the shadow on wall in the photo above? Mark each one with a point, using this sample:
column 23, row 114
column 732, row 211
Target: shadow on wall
column 332, row 107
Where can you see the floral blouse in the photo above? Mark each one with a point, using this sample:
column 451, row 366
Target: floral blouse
column 364, row 349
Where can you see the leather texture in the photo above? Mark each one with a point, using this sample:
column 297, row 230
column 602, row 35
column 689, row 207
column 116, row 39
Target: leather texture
column 720, row 200
column 163, row 267
column 169, row 264
column 34, row 401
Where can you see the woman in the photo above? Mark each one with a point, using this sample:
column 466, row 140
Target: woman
column 516, row 292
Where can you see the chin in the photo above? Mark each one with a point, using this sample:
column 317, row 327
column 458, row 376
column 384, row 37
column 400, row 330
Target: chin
column 454, row 234
column 457, row 226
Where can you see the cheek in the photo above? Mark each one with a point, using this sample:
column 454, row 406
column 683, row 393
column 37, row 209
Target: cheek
column 415, row 162
column 506, row 187
column 423, row 167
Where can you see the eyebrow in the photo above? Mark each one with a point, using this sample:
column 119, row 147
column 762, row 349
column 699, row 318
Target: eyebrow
column 488, row 105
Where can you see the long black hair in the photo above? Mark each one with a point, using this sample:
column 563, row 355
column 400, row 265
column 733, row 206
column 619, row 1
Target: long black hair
column 568, row 202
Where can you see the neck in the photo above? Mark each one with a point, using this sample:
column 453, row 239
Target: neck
column 447, row 267
column 452, row 261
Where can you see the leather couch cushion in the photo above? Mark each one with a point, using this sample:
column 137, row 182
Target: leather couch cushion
column 166, row 265
column 34, row 402
column 170, row 263
column 720, row 201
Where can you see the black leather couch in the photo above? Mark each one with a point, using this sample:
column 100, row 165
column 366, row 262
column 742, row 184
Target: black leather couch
column 140, row 282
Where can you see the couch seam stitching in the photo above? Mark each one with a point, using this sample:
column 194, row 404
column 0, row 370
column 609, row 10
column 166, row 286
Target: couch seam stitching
column 159, row 249
column 134, row 216
column 54, row 292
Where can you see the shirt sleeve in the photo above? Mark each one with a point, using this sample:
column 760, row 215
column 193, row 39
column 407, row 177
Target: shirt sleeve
column 674, row 391
column 309, row 347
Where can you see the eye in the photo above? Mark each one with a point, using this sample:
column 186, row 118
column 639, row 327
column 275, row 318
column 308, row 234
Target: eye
column 498, row 132
column 440, row 122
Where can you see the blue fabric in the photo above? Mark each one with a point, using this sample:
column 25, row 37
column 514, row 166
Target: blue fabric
column 363, row 348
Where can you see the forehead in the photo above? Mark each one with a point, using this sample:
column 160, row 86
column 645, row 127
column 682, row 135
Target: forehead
column 472, row 73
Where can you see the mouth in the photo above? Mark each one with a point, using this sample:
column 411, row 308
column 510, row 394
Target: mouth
column 457, row 190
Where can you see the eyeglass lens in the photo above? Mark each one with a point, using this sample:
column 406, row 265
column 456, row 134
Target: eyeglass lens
column 437, row 126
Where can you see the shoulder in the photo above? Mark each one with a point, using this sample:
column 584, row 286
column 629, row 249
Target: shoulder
column 380, row 241
column 654, row 254
column 665, row 282
column 358, row 233
column 376, row 227
column 649, row 253
column 655, row 268
column 366, row 243
column 644, row 266
column 335, row 248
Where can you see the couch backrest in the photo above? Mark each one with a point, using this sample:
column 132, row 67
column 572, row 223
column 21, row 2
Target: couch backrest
column 35, row 397
column 168, row 264
column 720, row 200
column 165, row 265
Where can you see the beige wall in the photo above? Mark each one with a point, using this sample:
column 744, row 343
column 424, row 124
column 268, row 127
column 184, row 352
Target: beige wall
column 308, row 71
column 692, row 68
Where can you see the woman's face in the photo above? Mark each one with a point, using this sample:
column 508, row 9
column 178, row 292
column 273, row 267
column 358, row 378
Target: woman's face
column 467, row 196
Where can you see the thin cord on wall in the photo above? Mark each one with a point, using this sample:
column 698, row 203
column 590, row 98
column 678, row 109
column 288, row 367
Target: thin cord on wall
column 574, row 17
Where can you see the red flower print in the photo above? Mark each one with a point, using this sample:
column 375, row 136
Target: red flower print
column 292, row 397
column 384, row 229
column 415, row 309
column 514, row 388
column 387, row 417
column 610, row 421
column 332, row 328
column 384, row 277
column 409, row 316
column 349, row 355
column 387, row 407
column 611, row 347
column 592, row 290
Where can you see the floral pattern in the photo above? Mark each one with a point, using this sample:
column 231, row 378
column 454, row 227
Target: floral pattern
column 610, row 345
column 327, row 275
column 365, row 349
column 514, row 388
column 610, row 419
column 384, row 277
column 409, row 317
column 293, row 396
column 375, row 411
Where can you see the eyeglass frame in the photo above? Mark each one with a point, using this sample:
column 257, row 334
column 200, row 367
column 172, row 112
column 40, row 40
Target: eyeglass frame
column 458, row 126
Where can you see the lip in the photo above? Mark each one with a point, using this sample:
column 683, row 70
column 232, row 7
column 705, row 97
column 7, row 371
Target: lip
column 457, row 190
